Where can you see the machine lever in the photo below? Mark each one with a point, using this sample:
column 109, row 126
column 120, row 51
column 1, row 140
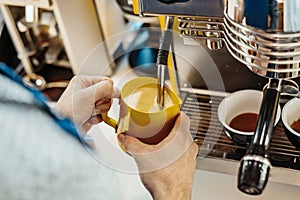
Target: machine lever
column 255, row 165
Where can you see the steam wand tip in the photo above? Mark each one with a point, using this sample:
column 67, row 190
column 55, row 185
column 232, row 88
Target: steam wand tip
column 161, row 86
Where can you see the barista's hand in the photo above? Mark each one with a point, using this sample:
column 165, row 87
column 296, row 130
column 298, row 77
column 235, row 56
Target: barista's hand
column 166, row 169
column 85, row 98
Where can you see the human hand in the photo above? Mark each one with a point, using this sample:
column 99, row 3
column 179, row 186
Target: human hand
column 85, row 98
column 166, row 169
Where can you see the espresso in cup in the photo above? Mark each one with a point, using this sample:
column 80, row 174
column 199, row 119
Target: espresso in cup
column 296, row 126
column 245, row 122
column 238, row 114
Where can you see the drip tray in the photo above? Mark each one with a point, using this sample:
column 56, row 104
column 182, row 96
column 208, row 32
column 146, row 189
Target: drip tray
column 219, row 154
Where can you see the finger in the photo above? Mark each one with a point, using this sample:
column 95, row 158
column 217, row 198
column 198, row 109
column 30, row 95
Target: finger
column 88, row 80
column 104, row 89
column 106, row 99
column 95, row 119
column 104, row 104
column 101, row 101
column 100, row 91
column 101, row 108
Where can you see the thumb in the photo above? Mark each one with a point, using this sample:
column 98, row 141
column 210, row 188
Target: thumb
column 132, row 145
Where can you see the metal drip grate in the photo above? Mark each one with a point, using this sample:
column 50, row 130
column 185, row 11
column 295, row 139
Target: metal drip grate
column 208, row 133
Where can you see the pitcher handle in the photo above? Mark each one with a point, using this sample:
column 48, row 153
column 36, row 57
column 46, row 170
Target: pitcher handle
column 109, row 121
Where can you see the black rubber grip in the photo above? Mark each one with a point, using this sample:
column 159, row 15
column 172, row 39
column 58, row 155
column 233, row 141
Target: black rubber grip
column 163, row 52
column 253, row 177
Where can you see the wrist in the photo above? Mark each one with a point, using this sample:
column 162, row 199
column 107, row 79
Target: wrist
column 179, row 192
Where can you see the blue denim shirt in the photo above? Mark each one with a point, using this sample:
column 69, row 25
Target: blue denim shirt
column 38, row 160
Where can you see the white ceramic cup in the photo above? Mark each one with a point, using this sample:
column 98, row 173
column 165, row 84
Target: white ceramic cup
column 242, row 101
column 291, row 113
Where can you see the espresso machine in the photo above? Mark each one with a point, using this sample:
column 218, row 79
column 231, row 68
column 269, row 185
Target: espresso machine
column 262, row 36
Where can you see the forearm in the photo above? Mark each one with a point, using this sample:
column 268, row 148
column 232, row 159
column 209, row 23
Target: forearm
column 180, row 192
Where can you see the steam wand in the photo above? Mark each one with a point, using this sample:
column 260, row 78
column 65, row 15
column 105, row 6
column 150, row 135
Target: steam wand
column 162, row 60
